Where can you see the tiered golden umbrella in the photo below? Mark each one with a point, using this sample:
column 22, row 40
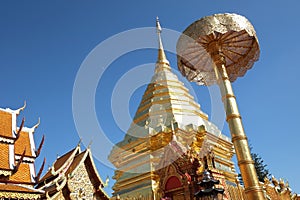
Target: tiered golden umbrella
column 218, row 49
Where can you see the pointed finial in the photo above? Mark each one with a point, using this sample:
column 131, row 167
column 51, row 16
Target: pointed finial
column 79, row 142
column 37, row 125
column 161, row 59
column 90, row 144
column 22, row 108
column 158, row 27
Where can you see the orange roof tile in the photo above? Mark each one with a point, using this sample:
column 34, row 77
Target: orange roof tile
column 23, row 142
column 5, row 124
column 4, row 156
column 17, row 188
column 22, row 175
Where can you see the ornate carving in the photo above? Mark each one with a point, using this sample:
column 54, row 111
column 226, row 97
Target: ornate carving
column 5, row 172
column 7, row 140
column 16, row 195
column 275, row 189
column 80, row 184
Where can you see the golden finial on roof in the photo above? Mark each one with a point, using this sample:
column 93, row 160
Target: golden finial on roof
column 161, row 59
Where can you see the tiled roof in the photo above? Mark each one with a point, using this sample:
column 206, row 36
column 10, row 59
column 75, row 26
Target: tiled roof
column 22, row 175
column 4, row 156
column 76, row 162
column 59, row 163
column 23, row 142
column 17, row 188
column 69, row 163
column 5, row 124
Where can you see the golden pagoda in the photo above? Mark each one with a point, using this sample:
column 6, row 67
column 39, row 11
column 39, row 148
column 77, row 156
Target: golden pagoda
column 171, row 142
column 17, row 157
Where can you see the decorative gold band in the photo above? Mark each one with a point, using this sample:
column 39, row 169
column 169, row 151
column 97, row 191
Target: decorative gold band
column 232, row 116
column 253, row 188
column 163, row 62
column 224, row 78
column 243, row 162
column 238, row 137
column 227, row 96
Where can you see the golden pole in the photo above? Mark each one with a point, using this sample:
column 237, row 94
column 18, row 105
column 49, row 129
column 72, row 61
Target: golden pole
column 246, row 164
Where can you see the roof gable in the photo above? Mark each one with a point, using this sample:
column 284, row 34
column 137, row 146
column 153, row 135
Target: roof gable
column 60, row 163
column 73, row 164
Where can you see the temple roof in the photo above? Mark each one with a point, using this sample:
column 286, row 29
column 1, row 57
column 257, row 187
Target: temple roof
column 22, row 175
column 77, row 160
column 6, row 124
column 17, row 148
column 23, row 143
column 13, row 191
column 18, row 188
column 64, row 168
column 60, row 162
column 4, row 158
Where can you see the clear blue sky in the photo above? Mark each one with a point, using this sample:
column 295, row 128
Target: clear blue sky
column 43, row 43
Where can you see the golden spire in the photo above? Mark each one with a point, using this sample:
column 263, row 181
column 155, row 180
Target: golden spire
column 162, row 61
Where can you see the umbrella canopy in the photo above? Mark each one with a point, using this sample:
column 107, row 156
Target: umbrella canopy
column 229, row 35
